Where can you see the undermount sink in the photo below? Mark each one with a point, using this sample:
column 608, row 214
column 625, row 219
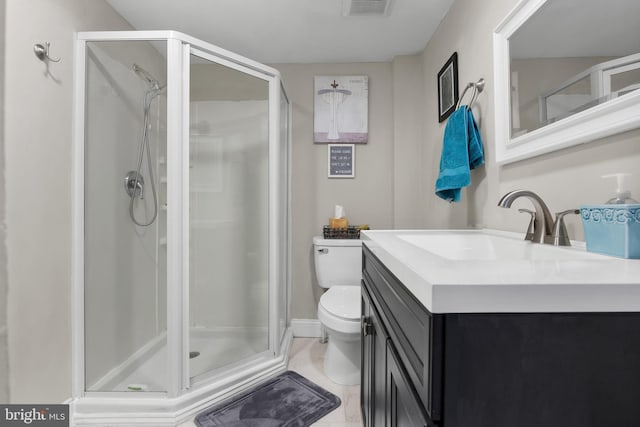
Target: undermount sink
column 477, row 245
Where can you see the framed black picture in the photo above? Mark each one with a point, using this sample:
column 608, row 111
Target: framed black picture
column 448, row 87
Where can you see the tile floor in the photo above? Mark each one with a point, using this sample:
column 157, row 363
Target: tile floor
column 305, row 357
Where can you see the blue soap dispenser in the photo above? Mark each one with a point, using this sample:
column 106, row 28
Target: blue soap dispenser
column 613, row 228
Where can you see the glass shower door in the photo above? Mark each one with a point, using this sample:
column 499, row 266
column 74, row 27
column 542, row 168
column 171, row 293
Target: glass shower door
column 228, row 214
column 124, row 239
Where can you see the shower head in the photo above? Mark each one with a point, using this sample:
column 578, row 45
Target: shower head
column 147, row 77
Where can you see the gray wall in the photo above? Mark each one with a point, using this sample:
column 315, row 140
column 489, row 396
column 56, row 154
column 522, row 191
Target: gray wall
column 565, row 179
column 38, row 135
column 408, row 146
column 4, row 351
column 367, row 198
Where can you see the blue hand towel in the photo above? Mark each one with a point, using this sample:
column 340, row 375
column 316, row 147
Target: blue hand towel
column 461, row 152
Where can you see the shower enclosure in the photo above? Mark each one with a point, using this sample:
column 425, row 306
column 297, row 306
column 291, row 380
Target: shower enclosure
column 181, row 263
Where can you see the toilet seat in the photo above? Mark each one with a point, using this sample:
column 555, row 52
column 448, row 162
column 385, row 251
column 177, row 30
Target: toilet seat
column 340, row 310
column 342, row 301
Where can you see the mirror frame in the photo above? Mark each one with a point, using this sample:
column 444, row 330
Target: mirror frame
column 614, row 116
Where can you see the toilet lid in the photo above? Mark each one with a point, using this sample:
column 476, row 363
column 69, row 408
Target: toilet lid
column 342, row 301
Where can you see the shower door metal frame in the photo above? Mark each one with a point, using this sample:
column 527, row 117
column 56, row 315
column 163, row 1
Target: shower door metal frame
column 181, row 393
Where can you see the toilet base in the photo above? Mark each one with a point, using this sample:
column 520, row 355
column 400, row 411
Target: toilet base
column 342, row 359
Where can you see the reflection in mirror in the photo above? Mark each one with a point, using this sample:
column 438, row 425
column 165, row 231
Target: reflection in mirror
column 569, row 56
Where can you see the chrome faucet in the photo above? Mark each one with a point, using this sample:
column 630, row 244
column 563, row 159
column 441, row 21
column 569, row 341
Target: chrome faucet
column 560, row 235
column 542, row 221
column 529, row 235
column 540, row 229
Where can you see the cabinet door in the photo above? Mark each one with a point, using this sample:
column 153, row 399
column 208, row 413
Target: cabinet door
column 366, row 363
column 374, row 364
column 404, row 408
column 416, row 333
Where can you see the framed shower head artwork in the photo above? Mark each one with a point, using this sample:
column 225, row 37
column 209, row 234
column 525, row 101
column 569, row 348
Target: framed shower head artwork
column 341, row 109
column 448, row 87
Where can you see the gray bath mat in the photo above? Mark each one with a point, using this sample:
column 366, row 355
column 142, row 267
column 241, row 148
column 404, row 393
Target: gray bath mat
column 287, row 400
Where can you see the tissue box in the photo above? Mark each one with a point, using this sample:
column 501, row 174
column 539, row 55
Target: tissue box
column 338, row 222
column 612, row 229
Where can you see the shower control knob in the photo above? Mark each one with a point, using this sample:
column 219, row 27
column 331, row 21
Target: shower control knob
column 134, row 184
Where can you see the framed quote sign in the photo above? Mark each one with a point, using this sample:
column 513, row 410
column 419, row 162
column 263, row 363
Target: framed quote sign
column 341, row 160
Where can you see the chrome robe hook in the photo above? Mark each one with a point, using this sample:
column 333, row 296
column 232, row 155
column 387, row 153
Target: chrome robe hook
column 42, row 52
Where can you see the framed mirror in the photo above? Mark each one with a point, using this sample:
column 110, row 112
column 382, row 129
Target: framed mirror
column 566, row 72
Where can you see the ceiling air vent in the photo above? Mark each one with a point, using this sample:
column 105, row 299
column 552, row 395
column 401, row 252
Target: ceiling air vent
column 366, row 7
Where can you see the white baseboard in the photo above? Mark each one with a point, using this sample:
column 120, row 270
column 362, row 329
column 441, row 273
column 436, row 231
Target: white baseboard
column 309, row 328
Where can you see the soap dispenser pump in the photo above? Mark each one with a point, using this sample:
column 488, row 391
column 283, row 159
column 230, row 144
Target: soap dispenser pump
column 622, row 196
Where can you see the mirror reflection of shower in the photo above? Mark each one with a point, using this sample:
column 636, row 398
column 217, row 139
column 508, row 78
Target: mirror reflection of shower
column 133, row 181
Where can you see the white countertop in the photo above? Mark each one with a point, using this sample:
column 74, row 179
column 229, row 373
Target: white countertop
column 486, row 271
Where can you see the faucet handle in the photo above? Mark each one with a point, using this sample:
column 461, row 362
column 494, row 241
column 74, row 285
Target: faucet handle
column 530, row 228
column 560, row 235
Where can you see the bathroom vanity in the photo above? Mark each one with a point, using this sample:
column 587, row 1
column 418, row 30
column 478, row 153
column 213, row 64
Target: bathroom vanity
column 479, row 328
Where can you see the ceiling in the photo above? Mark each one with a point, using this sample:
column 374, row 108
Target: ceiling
column 293, row 31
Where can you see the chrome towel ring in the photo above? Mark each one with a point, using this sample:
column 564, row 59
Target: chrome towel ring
column 477, row 88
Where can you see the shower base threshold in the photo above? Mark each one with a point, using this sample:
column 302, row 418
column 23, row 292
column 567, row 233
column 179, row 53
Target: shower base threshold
column 122, row 407
column 215, row 348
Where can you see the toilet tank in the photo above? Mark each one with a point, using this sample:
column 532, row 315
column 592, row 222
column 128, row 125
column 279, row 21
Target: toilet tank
column 338, row 262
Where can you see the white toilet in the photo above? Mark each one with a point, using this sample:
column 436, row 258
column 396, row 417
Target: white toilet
column 338, row 264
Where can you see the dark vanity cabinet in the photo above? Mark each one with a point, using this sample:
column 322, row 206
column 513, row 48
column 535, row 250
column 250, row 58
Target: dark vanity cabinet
column 403, row 405
column 401, row 353
column 492, row 369
column 373, row 364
